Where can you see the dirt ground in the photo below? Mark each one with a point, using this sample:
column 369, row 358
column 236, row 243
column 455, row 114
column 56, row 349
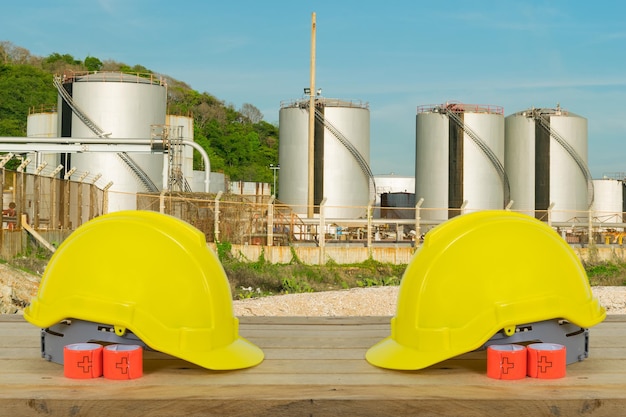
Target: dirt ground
column 17, row 287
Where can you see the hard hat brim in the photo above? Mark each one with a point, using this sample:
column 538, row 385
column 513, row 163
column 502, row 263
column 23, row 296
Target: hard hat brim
column 392, row 355
column 238, row 355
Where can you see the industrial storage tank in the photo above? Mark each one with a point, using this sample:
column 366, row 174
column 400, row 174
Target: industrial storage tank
column 117, row 106
column 459, row 156
column 395, row 191
column 546, row 163
column 609, row 203
column 341, row 153
column 42, row 123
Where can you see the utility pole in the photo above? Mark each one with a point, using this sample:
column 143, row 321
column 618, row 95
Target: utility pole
column 311, row 177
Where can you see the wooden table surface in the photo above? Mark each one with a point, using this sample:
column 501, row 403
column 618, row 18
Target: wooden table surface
column 313, row 367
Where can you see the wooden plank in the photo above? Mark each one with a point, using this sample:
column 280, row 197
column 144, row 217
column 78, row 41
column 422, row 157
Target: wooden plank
column 311, row 407
column 313, row 367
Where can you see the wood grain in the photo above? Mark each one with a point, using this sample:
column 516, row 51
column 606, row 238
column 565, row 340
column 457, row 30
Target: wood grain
column 313, row 367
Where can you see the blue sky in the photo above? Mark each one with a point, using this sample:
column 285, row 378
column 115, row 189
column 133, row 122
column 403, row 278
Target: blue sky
column 395, row 55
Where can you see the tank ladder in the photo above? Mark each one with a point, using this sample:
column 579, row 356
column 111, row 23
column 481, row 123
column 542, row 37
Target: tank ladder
column 352, row 149
column 136, row 169
column 538, row 116
column 170, row 140
column 77, row 111
column 493, row 158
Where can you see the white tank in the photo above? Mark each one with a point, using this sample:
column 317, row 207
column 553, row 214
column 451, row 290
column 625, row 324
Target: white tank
column 451, row 169
column 42, row 123
column 608, row 204
column 541, row 170
column 341, row 176
column 124, row 106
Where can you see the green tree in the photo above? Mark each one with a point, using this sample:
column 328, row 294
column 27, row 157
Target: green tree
column 22, row 87
column 93, row 64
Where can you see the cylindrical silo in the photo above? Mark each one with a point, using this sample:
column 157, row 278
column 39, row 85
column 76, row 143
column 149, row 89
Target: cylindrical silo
column 459, row 156
column 608, row 202
column 546, row 163
column 341, row 153
column 42, row 123
column 122, row 106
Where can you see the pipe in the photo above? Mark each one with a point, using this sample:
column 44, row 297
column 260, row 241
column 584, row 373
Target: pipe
column 105, row 141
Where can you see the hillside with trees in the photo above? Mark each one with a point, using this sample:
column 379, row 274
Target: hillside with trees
column 238, row 141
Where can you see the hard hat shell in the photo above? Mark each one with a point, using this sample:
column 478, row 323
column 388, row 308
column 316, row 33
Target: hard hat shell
column 475, row 275
column 152, row 274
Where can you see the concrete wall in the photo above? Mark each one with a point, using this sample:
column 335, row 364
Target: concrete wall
column 400, row 254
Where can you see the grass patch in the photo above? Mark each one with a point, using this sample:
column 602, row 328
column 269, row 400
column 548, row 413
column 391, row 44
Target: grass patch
column 606, row 273
column 261, row 278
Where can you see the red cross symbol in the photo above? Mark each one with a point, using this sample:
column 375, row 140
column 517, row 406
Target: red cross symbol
column 85, row 364
column 122, row 365
column 506, row 365
column 543, row 364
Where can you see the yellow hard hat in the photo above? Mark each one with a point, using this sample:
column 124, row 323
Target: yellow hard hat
column 152, row 274
column 475, row 275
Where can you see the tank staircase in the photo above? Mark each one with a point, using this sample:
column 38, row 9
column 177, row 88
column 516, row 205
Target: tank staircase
column 493, row 158
column 136, row 169
column 352, row 149
column 77, row 111
column 538, row 116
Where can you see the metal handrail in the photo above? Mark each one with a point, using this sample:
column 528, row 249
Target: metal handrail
column 493, row 158
column 351, row 148
column 538, row 116
column 461, row 108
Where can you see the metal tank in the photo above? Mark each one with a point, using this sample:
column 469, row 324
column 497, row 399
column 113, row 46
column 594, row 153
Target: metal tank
column 459, row 156
column 395, row 191
column 341, row 154
column 42, row 123
column 608, row 202
column 122, row 106
column 546, row 163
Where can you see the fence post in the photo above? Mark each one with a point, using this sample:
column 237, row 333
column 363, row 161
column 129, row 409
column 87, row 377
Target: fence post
column 270, row 221
column 80, row 198
column 550, row 207
column 216, row 218
column 369, row 228
column 418, row 228
column 93, row 197
column 21, row 189
column 105, row 197
column 590, row 224
column 322, row 231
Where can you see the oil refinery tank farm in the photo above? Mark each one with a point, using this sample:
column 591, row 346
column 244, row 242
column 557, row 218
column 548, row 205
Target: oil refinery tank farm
column 114, row 105
column 459, row 157
column 546, row 163
column 342, row 174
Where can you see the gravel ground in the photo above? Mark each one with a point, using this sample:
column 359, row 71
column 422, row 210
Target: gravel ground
column 372, row 301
